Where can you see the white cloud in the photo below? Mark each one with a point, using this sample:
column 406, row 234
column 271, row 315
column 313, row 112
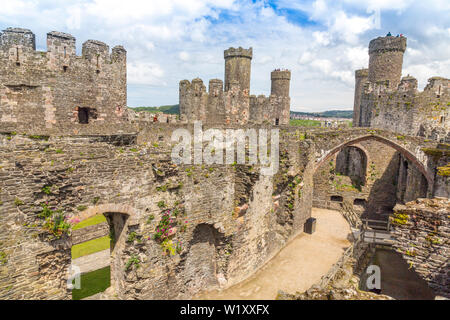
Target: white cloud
column 170, row 40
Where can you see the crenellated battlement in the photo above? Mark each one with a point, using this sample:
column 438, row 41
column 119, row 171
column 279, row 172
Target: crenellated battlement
column 280, row 75
column 384, row 99
column 59, row 44
column 238, row 52
column 389, row 43
column 56, row 88
column 229, row 101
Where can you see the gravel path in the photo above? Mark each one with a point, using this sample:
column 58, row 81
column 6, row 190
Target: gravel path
column 298, row 265
column 93, row 261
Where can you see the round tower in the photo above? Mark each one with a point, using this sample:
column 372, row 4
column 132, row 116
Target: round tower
column 360, row 79
column 386, row 59
column 280, row 82
column 237, row 67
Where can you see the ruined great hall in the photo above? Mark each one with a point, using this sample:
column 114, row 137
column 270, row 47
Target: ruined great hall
column 69, row 150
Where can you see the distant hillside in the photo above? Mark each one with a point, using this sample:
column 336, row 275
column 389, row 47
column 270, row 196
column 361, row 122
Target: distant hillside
column 175, row 109
column 327, row 114
column 170, row 109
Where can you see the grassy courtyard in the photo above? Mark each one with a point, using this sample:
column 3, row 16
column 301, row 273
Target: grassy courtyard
column 98, row 280
column 92, row 283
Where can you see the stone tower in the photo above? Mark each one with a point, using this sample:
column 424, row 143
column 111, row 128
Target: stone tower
column 386, row 59
column 280, row 82
column 280, row 92
column 360, row 78
column 238, row 67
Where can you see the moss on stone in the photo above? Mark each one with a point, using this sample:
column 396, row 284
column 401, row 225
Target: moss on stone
column 436, row 153
column 444, row 171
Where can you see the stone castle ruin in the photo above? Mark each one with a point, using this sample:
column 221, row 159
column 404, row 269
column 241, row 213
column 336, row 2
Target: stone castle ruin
column 232, row 103
column 70, row 150
column 57, row 89
column 383, row 99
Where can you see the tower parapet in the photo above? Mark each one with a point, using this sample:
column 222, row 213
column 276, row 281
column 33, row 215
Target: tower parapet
column 60, row 90
column 229, row 102
column 61, row 44
column 238, row 67
column 385, row 100
column 11, row 37
column 386, row 59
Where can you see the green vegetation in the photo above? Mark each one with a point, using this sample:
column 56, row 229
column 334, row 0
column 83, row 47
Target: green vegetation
column 47, row 189
column 133, row 236
column 304, row 123
column 436, row 153
column 400, row 219
column 89, row 247
column 81, row 208
column 18, row 202
column 35, row 137
column 133, row 261
column 161, row 204
column 3, row 258
column 444, row 171
column 92, row 283
column 170, row 109
column 89, row 222
column 348, row 114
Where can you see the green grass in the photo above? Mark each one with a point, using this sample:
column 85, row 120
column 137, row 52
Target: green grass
column 89, row 247
column 90, row 222
column 304, row 123
column 92, row 283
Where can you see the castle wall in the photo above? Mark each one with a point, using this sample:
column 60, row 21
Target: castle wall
column 47, row 89
column 421, row 235
column 247, row 217
column 229, row 102
column 386, row 181
column 385, row 101
column 408, row 111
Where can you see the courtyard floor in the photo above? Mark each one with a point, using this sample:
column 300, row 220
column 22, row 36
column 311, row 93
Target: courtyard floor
column 299, row 265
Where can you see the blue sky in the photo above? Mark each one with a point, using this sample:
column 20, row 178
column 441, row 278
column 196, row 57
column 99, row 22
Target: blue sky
column 321, row 41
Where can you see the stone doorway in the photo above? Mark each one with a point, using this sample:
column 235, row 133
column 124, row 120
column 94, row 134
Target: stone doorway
column 95, row 252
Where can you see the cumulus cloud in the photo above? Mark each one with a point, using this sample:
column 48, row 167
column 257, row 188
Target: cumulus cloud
column 321, row 41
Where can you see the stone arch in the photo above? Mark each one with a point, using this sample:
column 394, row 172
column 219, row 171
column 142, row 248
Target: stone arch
column 404, row 152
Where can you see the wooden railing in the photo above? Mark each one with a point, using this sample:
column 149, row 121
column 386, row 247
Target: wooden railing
column 376, row 231
column 350, row 215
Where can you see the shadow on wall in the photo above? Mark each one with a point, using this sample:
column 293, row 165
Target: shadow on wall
column 352, row 162
column 204, row 263
column 401, row 182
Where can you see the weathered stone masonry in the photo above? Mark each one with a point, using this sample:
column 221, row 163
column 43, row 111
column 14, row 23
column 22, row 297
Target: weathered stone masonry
column 231, row 103
column 385, row 100
column 422, row 233
column 57, row 89
column 248, row 217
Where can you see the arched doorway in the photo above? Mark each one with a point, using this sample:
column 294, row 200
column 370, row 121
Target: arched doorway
column 97, row 241
column 378, row 173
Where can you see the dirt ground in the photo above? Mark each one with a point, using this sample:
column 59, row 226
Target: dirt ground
column 298, row 265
